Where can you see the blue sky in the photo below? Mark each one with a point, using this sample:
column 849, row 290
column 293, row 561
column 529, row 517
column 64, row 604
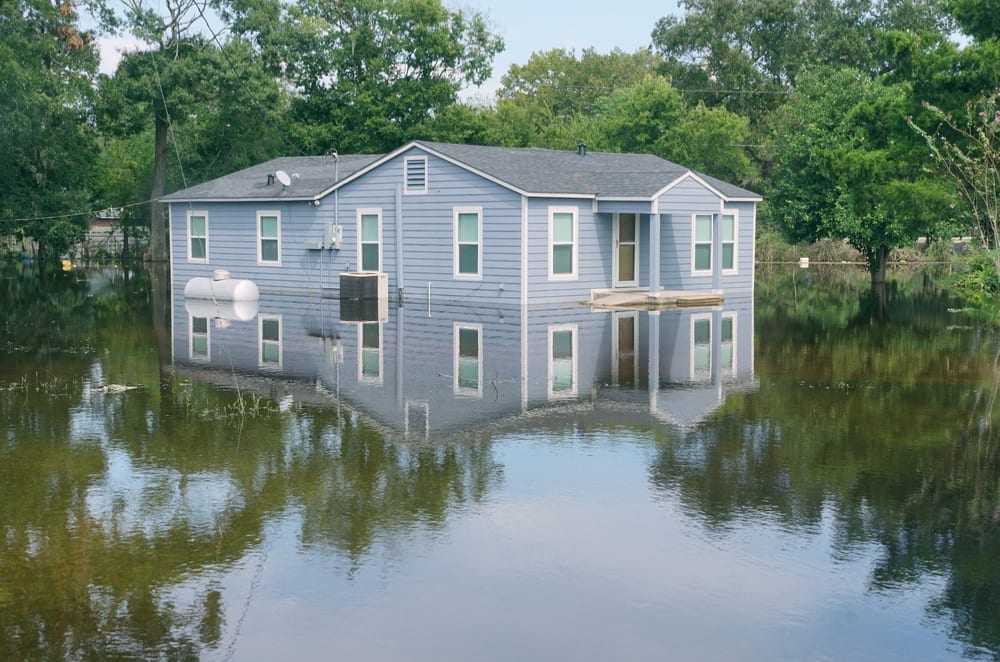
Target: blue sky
column 528, row 26
column 540, row 25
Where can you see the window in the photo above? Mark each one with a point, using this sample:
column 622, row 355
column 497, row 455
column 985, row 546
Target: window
column 703, row 242
column 269, row 332
column 562, row 361
column 197, row 236
column 727, row 349
column 562, row 243
column 701, row 346
column 415, row 175
column 468, row 365
column 269, row 237
column 729, row 241
column 370, row 352
column 468, row 254
column 369, row 239
column 200, row 347
column 701, row 349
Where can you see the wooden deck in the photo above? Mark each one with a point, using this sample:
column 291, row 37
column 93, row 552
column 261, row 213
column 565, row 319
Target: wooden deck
column 644, row 300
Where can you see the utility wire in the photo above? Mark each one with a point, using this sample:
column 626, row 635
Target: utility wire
column 90, row 212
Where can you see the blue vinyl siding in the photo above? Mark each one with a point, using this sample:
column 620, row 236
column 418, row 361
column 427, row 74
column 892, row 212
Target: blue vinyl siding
column 677, row 207
column 428, row 239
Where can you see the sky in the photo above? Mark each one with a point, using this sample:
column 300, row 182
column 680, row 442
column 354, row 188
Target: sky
column 527, row 26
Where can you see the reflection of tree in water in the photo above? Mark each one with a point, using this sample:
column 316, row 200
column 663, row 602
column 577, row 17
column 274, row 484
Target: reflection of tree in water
column 119, row 507
column 892, row 426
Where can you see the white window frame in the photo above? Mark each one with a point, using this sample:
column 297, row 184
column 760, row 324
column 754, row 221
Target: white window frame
column 260, row 238
column 695, row 243
column 736, row 240
column 694, row 374
column 377, row 211
column 730, row 370
column 457, row 388
column 207, row 356
column 458, row 211
column 362, row 377
column 261, row 318
column 406, row 176
column 574, row 274
column 191, row 214
column 724, row 371
column 575, row 361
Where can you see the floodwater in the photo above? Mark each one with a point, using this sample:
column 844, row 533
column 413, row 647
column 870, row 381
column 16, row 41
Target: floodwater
column 810, row 475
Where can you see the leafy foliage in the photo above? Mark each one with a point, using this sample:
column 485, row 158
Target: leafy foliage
column 47, row 140
column 843, row 167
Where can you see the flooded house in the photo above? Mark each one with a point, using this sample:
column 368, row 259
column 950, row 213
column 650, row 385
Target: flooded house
column 473, row 225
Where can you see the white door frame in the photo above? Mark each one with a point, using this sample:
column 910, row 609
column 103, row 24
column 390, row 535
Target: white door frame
column 615, row 257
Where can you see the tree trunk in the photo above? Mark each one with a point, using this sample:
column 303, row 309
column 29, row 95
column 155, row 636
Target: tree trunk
column 157, row 223
column 878, row 260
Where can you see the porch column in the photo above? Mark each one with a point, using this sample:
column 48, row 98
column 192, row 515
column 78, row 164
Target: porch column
column 717, row 251
column 654, row 359
column 654, row 253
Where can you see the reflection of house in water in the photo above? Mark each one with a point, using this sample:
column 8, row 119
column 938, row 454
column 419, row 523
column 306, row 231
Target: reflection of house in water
column 425, row 372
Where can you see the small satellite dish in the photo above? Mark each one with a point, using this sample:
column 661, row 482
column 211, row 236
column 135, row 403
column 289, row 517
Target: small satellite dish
column 283, row 177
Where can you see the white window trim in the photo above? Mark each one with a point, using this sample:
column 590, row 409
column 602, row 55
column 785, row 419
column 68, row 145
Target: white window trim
column 694, row 243
column 711, row 331
column 465, row 390
column 576, row 243
column 731, row 370
column 191, row 213
column 478, row 211
column 572, row 393
column 260, row 260
column 207, row 357
column 406, row 176
column 362, row 377
column 735, row 213
column 261, row 318
column 367, row 212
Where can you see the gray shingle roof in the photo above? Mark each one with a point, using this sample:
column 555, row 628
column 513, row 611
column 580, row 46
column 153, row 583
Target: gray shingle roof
column 316, row 174
column 531, row 170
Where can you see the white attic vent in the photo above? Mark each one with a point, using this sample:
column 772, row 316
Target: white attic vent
column 415, row 175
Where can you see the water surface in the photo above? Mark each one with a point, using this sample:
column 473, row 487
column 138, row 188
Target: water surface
column 811, row 475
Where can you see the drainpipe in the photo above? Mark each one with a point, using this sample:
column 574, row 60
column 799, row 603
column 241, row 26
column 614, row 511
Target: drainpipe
column 399, row 241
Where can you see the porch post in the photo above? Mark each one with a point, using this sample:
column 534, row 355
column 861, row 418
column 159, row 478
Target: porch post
column 716, row 251
column 654, row 359
column 654, row 253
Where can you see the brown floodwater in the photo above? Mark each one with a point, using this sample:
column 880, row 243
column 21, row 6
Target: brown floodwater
column 809, row 475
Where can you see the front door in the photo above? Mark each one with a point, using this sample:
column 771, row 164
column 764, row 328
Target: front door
column 624, row 345
column 626, row 252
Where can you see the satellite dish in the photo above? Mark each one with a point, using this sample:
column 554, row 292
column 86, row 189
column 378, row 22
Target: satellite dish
column 283, row 177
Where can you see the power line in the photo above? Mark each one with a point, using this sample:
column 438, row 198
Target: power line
column 90, row 212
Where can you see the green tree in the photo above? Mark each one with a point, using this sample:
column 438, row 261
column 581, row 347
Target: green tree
column 966, row 150
column 845, row 168
column 565, row 85
column 366, row 73
column 209, row 106
column 47, row 141
column 748, row 55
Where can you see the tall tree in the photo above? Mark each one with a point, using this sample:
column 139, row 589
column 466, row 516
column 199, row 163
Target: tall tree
column 846, row 167
column 748, row 55
column 47, row 66
column 367, row 73
column 212, row 99
column 564, row 84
